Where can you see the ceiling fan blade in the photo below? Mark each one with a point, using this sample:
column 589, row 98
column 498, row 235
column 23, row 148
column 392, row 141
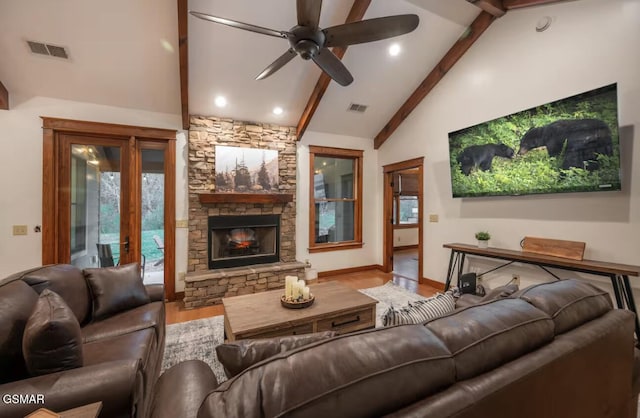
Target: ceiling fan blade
column 370, row 30
column 330, row 64
column 309, row 12
column 241, row 25
column 277, row 64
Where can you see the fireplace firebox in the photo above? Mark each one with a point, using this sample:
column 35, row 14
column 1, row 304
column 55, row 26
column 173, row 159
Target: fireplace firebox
column 243, row 240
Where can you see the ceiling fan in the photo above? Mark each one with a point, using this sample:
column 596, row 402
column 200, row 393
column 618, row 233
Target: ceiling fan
column 310, row 42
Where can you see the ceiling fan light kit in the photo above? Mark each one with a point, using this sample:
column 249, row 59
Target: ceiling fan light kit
column 310, row 42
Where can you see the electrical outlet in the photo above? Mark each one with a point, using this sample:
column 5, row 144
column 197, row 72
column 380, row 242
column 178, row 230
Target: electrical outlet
column 20, row 230
column 433, row 217
column 181, row 276
column 182, row 223
column 516, row 280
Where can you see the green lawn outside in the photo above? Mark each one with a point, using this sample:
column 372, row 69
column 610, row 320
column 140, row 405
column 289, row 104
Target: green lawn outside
column 149, row 247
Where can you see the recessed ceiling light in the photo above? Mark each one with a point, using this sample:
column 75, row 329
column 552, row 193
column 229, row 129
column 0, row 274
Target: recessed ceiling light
column 394, row 50
column 221, row 101
column 277, row 110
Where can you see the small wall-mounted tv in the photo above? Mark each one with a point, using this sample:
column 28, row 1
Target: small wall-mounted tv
column 570, row 145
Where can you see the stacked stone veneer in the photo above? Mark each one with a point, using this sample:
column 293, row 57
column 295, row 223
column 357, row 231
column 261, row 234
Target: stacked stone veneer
column 204, row 286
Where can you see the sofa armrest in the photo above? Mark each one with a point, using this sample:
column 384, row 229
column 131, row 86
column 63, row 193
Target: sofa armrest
column 181, row 390
column 155, row 292
column 117, row 384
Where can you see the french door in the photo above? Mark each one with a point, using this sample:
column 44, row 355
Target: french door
column 108, row 197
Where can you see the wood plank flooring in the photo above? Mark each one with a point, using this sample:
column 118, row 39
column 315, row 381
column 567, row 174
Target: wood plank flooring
column 360, row 280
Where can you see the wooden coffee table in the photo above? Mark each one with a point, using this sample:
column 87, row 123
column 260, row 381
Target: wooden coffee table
column 336, row 308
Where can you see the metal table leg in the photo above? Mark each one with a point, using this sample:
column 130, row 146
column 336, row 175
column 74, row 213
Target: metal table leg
column 631, row 303
column 615, row 283
column 449, row 271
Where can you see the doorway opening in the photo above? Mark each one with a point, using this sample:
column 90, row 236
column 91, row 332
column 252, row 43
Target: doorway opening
column 403, row 219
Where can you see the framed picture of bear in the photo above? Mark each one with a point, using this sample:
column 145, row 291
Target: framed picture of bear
column 570, row 145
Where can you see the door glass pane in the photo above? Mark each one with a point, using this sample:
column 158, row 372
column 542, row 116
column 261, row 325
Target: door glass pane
column 95, row 205
column 153, row 215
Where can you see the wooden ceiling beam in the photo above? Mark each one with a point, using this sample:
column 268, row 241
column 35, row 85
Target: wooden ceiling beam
column 356, row 14
column 495, row 7
column 518, row 4
column 477, row 28
column 4, row 97
column 183, row 42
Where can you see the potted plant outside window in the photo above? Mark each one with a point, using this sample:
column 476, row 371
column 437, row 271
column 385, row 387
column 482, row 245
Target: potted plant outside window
column 483, row 238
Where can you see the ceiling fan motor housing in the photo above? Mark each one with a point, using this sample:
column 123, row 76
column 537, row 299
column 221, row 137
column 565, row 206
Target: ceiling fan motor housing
column 306, row 41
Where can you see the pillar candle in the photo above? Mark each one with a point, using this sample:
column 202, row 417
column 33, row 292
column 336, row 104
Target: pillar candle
column 288, row 287
column 305, row 292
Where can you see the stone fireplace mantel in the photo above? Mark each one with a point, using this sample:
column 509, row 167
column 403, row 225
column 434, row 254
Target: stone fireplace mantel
column 264, row 198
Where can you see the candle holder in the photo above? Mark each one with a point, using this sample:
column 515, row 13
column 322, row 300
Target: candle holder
column 298, row 303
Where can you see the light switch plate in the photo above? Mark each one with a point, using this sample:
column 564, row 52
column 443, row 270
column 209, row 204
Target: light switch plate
column 433, row 217
column 20, row 230
column 182, row 223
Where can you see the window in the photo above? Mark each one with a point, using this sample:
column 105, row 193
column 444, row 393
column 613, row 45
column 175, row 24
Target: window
column 335, row 197
column 405, row 199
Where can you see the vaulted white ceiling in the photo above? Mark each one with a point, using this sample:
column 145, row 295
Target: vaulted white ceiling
column 125, row 53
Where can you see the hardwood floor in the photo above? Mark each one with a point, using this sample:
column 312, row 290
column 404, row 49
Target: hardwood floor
column 360, row 280
column 405, row 263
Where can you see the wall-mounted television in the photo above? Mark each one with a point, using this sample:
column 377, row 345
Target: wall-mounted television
column 570, row 145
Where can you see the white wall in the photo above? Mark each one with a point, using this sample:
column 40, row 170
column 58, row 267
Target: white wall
column 371, row 252
column 591, row 43
column 21, row 170
column 405, row 236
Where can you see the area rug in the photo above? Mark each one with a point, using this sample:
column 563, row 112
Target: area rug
column 197, row 339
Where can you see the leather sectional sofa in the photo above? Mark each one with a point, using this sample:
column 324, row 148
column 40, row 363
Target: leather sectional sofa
column 121, row 351
column 555, row 350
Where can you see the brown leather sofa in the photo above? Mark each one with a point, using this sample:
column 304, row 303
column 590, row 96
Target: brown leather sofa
column 555, row 350
column 122, row 353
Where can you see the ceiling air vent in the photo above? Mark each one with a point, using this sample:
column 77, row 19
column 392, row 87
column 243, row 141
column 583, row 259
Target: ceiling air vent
column 355, row 107
column 47, row 49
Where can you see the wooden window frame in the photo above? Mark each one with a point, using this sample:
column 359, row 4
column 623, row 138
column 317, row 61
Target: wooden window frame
column 357, row 156
column 397, row 224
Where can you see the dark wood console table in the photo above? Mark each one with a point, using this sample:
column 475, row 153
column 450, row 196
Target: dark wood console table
column 618, row 273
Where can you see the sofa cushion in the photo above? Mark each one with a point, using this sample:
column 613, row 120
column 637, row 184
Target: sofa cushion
column 151, row 315
column 68, row 282
column 385, row 369
column 570, row 303
column 238, row 355
column 17, row 300
column 485, row 336
column 115, row 289
column 419, row 311
column 52, row 341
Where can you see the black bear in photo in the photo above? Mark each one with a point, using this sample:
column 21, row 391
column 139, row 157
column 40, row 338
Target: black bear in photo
column 585, row 138
column 482, row 156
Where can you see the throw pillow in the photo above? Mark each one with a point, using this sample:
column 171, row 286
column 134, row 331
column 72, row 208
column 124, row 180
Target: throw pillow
column 239, row 355
column 115, row 289
column 52, row 341
column 420, row 311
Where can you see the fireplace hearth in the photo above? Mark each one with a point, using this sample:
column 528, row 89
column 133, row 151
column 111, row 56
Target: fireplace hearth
column 243, row 240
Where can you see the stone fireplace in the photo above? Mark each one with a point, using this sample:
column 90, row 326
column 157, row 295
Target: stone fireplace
column 229, row 252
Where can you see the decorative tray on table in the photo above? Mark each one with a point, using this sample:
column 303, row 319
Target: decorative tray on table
column 297, row 304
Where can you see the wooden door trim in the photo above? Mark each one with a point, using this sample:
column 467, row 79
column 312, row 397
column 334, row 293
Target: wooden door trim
column 388, row 227
column 99, row 128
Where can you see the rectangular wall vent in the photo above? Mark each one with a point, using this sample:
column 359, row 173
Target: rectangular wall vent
column 48, row 49
column 355, row 107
